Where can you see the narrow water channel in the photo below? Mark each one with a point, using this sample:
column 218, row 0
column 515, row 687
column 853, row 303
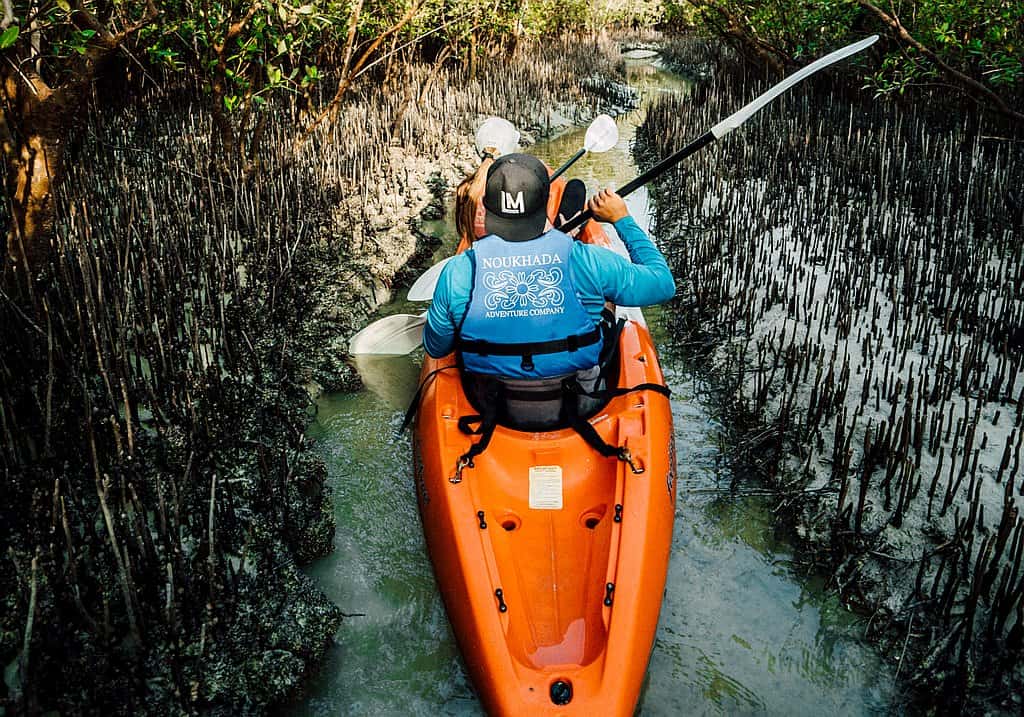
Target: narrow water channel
column 740, row 633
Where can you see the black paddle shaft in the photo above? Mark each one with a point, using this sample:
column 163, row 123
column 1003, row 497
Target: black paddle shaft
column 652, row 173
column 572, row 160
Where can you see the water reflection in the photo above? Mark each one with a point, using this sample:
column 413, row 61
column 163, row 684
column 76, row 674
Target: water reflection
column 392, row 379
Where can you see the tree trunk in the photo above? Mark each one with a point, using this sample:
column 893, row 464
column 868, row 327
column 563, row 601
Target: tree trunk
column 34, row 130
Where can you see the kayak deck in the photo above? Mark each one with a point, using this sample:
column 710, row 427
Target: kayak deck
column 550, row 558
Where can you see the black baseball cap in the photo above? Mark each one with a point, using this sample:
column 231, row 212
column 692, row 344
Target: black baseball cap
column 516, row 197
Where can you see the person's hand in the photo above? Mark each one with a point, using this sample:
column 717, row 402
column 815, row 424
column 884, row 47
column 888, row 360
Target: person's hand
column 608, row 206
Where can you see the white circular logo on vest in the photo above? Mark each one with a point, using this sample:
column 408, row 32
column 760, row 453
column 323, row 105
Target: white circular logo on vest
column 521, row 293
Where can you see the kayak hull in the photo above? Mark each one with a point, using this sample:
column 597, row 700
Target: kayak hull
column 551, row 524
column 551, row 559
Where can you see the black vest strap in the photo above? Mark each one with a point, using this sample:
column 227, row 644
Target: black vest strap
column 530, row 348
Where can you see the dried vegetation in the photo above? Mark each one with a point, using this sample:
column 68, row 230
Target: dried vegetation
column 853, row 275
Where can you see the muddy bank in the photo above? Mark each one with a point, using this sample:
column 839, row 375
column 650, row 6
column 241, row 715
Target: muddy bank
column 851, row 276
column 159, row 497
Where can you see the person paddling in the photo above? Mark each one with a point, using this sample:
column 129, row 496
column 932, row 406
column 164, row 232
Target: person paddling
column 524, row 305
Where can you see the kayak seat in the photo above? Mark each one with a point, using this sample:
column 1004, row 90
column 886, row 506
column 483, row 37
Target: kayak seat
column 540, row 405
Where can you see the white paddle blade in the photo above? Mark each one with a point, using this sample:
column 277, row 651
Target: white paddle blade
column 631, row 313
column 744, row 113
column 497, row 134
column 423, row 288
column 393, row 335
column 640, row 54
column 602, row 135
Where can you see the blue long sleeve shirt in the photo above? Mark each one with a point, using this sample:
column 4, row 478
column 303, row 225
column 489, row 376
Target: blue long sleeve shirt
column 599, row 275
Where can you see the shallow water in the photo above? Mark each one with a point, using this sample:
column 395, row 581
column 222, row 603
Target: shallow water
column 740, row 633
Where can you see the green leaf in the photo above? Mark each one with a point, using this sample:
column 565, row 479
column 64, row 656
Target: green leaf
column 9, row 36
column 305, row 10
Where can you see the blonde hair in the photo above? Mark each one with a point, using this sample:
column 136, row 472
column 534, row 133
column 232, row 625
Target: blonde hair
column 468, row 196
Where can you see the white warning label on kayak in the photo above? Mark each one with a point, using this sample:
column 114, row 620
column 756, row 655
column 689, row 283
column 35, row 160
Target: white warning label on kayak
column 546, row 487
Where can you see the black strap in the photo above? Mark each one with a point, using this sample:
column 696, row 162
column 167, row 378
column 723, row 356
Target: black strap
column 415, row 404
column 471, row 255
column 581, row 425
column 530, row 348
column 610, row 393
column 466, row 423
column 486, row 431
column 586, row 430
column 488, row 420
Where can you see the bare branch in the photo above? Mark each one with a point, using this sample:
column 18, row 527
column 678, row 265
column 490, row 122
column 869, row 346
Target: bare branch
column 426, row 33
column 353, row 24
column 234, row 30
column 331, row 110
column 741, row 31
column 219, row 83
column 31, row 85
column 108, row 40
column 23, row 658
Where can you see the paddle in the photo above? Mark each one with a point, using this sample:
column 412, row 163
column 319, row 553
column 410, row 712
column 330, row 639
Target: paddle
column 730, row 123
column 393, row 335
column 423, row 288
column 496, row 134
column 602, row 135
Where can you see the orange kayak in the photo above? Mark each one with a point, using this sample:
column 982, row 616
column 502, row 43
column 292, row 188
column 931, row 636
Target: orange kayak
column 550, row 558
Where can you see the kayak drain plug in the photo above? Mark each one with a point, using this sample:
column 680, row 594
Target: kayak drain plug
column 561, row 692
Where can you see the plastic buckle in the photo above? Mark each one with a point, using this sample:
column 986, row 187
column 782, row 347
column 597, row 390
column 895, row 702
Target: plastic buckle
column 464, row 462
column 627, row 457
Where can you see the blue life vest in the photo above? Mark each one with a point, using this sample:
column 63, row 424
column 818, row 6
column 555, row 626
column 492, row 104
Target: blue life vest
column 524, row 319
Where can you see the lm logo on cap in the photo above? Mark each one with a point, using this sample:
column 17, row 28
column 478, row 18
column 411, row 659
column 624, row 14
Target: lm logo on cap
column 512, row 205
